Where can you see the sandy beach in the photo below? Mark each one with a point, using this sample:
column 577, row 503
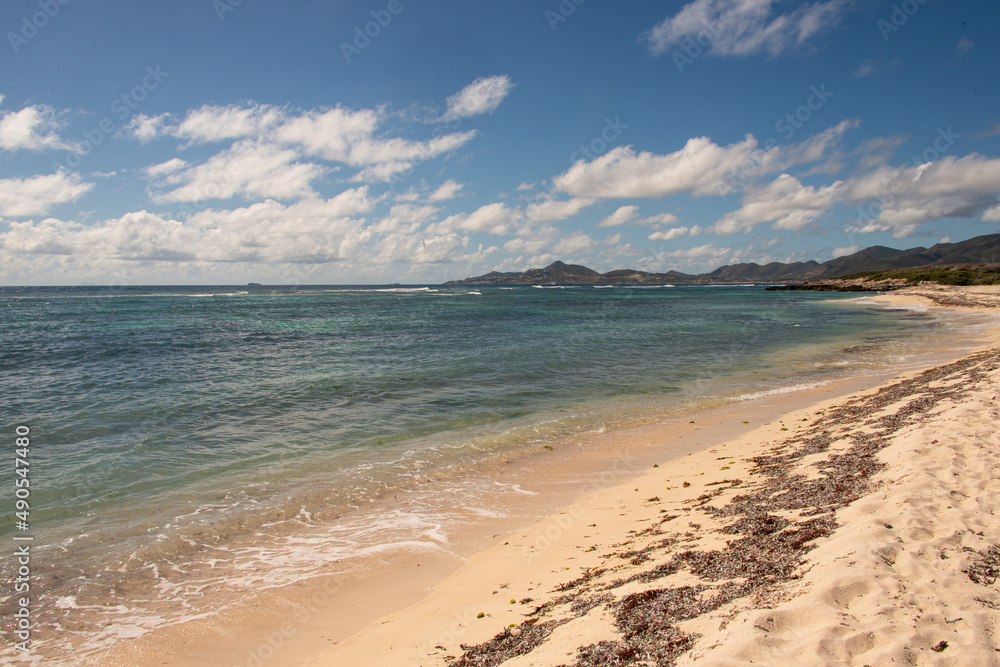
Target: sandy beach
column 856, row 531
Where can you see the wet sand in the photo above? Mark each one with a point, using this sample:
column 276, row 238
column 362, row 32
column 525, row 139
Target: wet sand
column 858, row 529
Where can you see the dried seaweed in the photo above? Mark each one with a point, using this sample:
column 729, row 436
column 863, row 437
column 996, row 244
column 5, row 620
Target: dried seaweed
column 986, row 567
column 771, row 549
column 506, row 645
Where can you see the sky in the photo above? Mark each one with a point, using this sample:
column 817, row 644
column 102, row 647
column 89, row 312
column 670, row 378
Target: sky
column 417, row 141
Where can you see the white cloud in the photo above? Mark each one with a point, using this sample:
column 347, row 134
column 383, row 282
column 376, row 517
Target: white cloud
column 341, row 135
column 406, row 218
column 744, row 27
column 556, row 209
column 622, row 215
column 32, row 128
column 422, row 249
column 865, row 68
column 493, row 218
column 785, row 202
column 660, row 219
column 701, row 168
column 211, row 123
column 899, row 199
column 818, row 146
column 535, row 240
column 335, row 135
column 317, row 230
column 670, row 234
column 843, row 251
column 991, row 214
column 448, row 190
column 146, row 128
column 162, row 169
column 481, row 96
column 35, row 195
column 573, row 244
column 328, row 134
column 248, row 168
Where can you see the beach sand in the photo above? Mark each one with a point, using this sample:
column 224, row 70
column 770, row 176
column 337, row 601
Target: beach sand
column 860, row 530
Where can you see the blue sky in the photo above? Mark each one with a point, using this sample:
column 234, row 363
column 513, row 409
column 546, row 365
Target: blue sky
column 227, row 141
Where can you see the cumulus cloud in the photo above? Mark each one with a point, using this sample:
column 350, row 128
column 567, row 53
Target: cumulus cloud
column 670, row 234
column 481, row 96
column 573, row 243
column 991, row 214
column 660, row 219
column 744, row 27
column 556, row 209
column 406, row 218
column 621, row 215
column 249, row 168
column 702, row 168
column 447, row 190
column 785, row 202
column 899, row 199
column 33, row 128
column 146, row 128
column 317, row 230
column 169, row 167
column 341, row 135
column 212, row 123
column 843, row 251
column 36, row 195
column 495, row 218
column 888, row 199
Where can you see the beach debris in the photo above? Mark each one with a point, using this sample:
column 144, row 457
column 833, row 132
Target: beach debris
column 986, row 567
column 481, row 615
column 772, row 544
column 506, row 645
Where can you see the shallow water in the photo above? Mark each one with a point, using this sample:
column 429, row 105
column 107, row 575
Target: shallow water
column 193, row 443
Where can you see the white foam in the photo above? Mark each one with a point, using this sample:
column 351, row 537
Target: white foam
column 516, row 488
column 779, row 390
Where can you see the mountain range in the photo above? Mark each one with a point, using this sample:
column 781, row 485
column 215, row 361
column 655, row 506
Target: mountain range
column 978, row 250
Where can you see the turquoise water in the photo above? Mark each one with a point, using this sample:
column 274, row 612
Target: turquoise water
column 174, row 427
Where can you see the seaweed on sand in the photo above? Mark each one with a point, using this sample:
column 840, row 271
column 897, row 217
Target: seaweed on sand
column 770, row 549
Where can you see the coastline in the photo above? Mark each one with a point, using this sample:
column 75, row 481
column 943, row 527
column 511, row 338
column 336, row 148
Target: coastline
column 561, row 572
column 294, row 624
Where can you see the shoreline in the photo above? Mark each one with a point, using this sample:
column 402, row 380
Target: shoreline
column 294, row 624
column 617, row 529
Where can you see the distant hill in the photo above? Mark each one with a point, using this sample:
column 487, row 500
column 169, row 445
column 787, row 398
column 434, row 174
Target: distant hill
column 978, row 250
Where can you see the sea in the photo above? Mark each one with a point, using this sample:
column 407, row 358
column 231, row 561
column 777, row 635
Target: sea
column 191, row 444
